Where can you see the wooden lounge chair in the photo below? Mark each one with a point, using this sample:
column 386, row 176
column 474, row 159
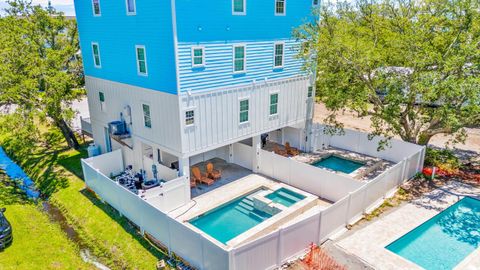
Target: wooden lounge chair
column 193, row 182
column 279, row 151
column 197, row 176
column 212, row 173
column 292, row 151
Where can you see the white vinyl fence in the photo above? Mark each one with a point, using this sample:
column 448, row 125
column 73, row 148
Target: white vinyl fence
column 352, row 199
column 323, row 183
column 198, row 250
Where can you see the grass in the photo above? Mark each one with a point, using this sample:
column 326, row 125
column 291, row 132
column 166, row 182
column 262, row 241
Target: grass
column 56, row 170
column 38, row 243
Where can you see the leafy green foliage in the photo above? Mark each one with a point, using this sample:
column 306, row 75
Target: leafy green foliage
column 411, row 66
column 39, row 67
column 441, row 158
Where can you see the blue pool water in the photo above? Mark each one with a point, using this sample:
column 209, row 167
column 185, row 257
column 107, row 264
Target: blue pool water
column 285, row 196
column 231, row 219
column 444, row 240
column 338, row 164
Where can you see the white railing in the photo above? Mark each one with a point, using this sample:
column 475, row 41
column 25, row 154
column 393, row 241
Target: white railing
column 86, row 125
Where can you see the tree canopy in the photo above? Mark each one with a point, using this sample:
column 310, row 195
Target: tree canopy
column 412, row 66
column 40, row 71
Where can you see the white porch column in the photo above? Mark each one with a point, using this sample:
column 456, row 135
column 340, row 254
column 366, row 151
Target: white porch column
column 230, row 153
column 309, row 117
column 184, row 167
column 256, row 146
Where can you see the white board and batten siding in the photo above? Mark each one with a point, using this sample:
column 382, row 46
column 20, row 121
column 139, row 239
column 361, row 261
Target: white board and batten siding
column 165, row 130
column 217, row 112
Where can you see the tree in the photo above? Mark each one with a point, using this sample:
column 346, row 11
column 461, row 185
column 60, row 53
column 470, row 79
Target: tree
column 38, row 65
column 412, row 66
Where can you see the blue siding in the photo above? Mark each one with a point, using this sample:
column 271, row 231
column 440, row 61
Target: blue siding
column 212, row 20
column 218, row 70
column 117, row 34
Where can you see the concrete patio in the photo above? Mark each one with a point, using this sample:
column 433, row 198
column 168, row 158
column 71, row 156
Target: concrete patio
column 230, row 173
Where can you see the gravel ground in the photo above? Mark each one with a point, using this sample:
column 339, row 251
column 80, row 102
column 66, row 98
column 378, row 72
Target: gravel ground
column 350, row 120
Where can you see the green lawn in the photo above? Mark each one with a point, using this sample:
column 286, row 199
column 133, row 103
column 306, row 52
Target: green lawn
column 38, row 243
column 111, row 238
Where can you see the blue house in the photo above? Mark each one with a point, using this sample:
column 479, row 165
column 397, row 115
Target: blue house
column 190, row 77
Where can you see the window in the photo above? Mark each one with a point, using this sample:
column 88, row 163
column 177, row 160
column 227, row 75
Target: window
column 147, row 120
column 280, row 7
column 239, row 59
column 141, row 60
column 273, row 104
column 101, row 97
column 244, row 111
column 310, row 91
column 278, row 55
column 198, row 57
column 96, row 7
column 239, row 7
column 96, row 55
column 131, row 7
column 189, row 117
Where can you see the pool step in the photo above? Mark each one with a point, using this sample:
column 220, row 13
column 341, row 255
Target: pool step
column 246, row 207
column 288, row 197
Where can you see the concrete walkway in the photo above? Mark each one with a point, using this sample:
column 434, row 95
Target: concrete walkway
column 368, row 243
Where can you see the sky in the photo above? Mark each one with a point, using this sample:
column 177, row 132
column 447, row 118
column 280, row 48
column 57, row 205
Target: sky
column 60, row 5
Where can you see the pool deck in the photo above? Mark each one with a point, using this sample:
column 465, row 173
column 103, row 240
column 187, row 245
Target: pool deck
column 368, row 243
column 240, row 187
column 372, row 167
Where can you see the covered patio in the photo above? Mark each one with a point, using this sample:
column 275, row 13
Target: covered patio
column 230, row 172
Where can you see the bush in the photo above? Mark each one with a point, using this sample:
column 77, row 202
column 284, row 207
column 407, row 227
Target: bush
column 442, row 158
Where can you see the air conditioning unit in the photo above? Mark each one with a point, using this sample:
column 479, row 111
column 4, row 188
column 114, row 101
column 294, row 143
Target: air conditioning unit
column 117, row 128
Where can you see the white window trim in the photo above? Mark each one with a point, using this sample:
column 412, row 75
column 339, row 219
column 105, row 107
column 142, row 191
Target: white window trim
column 136, row 56
column 284, row 8
column 134, row 7
column 274, row 54
column 313, row 92
column 244, row 58
column 270, row 103
column 194, row 109
column 248, row 111
column 143, row 114
column 99, row 9
column 103, row 104
column 193, row 56
column 244, row 8
column 99, row 56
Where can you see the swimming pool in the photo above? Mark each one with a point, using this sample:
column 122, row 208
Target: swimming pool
column 285, row 197
column 231, row 219
column 338, row 164
column 445, row 240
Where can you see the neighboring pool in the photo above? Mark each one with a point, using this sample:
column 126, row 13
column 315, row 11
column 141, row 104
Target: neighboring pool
column 285, row 196
column 445, row 240
column 231, row 219
column 338, row 164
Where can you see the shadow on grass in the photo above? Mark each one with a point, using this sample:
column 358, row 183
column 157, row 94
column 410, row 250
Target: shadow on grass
column 72, row 163
column 10, row 192
column 124, row 223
